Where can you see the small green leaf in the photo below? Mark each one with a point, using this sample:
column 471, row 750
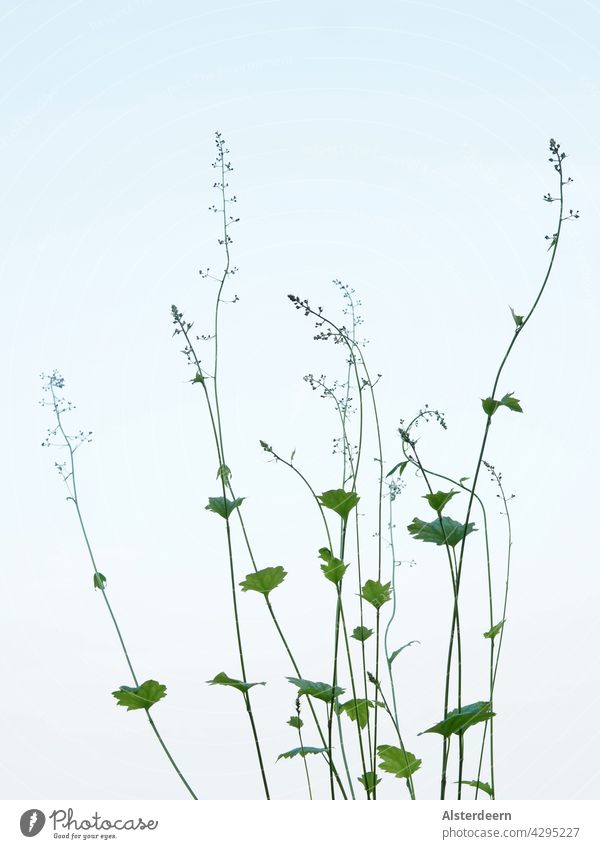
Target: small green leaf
column 438, row 500
column 264, row 581
column 317, row 689
column 399, row 467
column 361, row 633
column 444, row 532
column 357, row 710
column 369, row 781
column 480, row 784
column 224, row 472
column 459, row 720
column 142, row 697
column 339, row 501
column 99, row 581
column 395, row 654
column 295, row 722
column 199, row 378
column 400, row 763
column 490, row 405
column 511, row 402
column 332, row 568
column 223, row 506
column 303, row 751
column 517, row 318
column 376, row 593
column 226, row 681
column 493, row 632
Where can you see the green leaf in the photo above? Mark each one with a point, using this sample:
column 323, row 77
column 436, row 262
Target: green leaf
column 317, row 689
column 438, row 500
column 490, row 405
column 332, row 568
column 376, row 593
column 518, row 318
column 142, row 697
column 511, row 402
column 223, row 506
column 400, row 763
column 99, row 581
column 303, row 751
column 264, row 581
column 459, row 720
column 361, row 633
column 295, row 722
column 493, row 632
column 357, row 710
column 226, row 681
column 444, row 532
column 224, row 472
column 339, row 501
column 399, row 467
column 199, row 378
column 369, row 781
column 395, row 654
column 480, row 784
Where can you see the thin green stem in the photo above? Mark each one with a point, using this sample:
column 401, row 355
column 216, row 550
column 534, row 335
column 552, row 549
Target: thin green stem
column 386, row 649
column 73, row 496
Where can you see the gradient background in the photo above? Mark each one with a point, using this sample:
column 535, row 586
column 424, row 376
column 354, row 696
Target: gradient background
column 400, row 146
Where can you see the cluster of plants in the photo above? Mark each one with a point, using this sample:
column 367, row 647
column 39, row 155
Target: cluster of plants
column 355, row 715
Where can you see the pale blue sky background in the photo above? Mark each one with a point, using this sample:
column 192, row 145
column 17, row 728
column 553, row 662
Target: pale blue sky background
column 399, row 146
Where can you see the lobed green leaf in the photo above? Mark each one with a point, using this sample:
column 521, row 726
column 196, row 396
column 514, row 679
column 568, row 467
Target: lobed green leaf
column 376, row 593
column 444, row 531
column 490, row 405
column 397, row 761
column 339, row 501
column 303, row 751
column 317, row 689
column 223, row 506
column 357, row 710
column 361, row 633
column 462, row 718
column 332, row 568
column 480, row 784
column 369, row 781
column 142, row 697
column 226, row 681
column 264, row 581
column 438, row 500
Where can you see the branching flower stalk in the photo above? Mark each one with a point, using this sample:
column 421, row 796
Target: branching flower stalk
column 67, row 471
column 224, row 168
column 329, row 330
column 490, row 406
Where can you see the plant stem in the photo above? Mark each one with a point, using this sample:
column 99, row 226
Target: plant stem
column 73, row 496
column 395, row 719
